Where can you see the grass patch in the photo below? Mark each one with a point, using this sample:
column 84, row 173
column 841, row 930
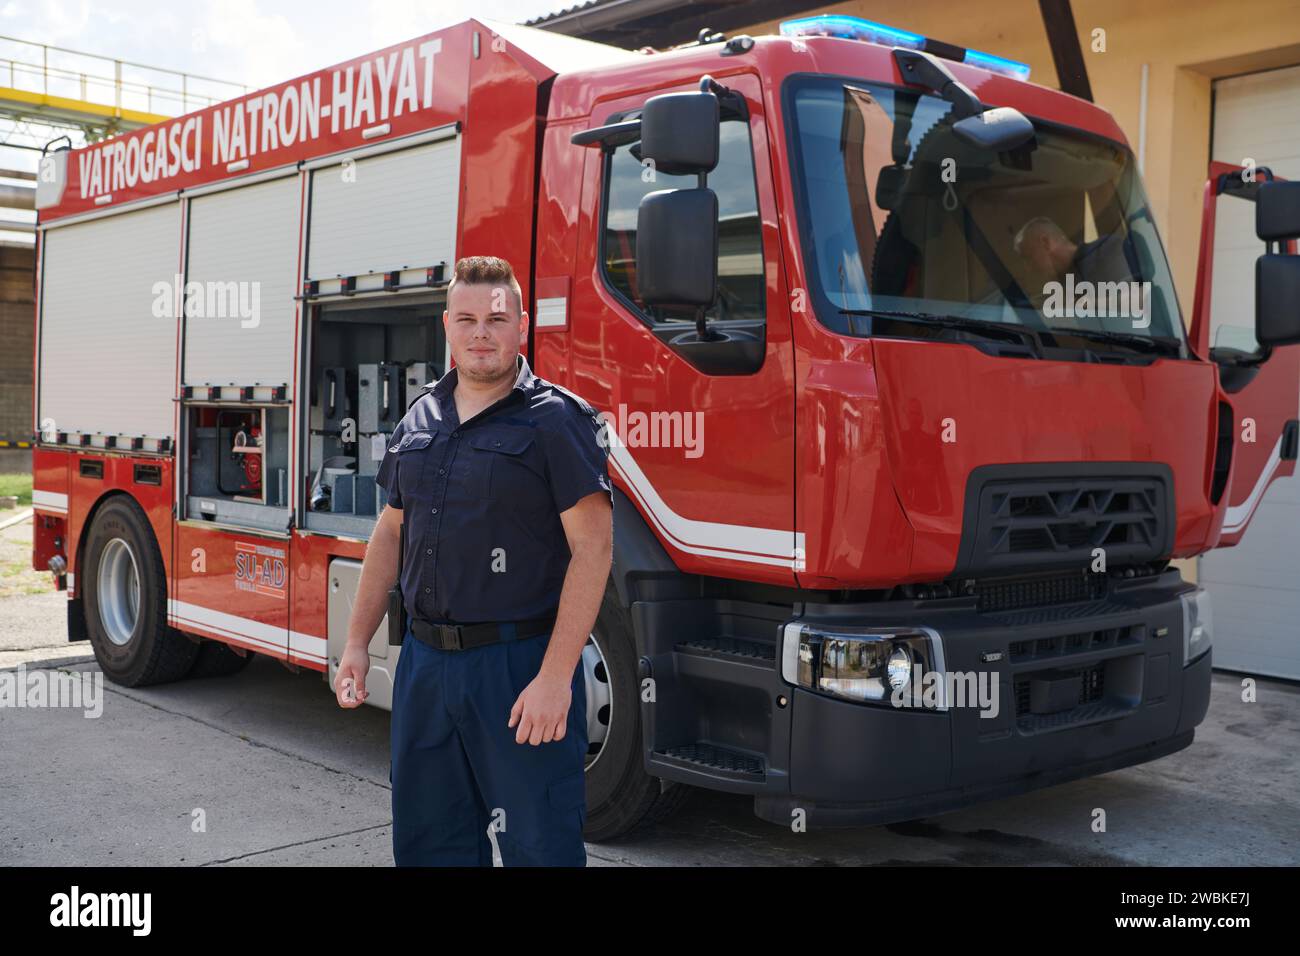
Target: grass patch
column 16, row 573
column 16, row 484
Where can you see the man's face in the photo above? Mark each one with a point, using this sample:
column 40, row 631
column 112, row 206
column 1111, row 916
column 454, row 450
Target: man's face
column 484, row 329
column 1047, row 253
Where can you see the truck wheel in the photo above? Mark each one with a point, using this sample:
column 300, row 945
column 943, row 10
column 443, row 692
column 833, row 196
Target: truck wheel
column 126, row 600
column 216, row 659
column 621, row 797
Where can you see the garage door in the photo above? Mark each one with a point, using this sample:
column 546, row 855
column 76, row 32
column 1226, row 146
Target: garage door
column 1256, row 585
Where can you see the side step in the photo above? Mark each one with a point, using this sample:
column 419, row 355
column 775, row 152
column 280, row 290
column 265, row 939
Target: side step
column 714, row 760
column 730, row 648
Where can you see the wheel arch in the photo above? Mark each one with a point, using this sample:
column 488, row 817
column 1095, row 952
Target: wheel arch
column 642, row 568
column 83, row 533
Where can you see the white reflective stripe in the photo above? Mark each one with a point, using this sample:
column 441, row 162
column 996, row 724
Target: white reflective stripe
column 734, row 542
column 1238, row 516
column 306, row 645
column 255, row 632
column 551, row 311
column 72, row 580
column 49, row 500
column 228, row 624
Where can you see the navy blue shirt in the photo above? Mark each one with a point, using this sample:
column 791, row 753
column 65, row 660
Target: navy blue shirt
column 481, row 500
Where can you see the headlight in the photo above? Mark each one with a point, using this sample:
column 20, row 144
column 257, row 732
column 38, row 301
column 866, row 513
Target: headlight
column 899, row 667
column 1198, row 624
column 860, row 663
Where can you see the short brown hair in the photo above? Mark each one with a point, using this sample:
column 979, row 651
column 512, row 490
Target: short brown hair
column 489, row 270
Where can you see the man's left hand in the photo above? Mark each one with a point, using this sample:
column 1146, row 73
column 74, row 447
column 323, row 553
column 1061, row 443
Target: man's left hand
column 542, row 710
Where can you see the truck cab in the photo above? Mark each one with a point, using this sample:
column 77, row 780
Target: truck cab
column 949, row 423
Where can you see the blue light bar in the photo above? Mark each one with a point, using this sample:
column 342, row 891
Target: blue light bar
column 997, row 64
column 851, row 28
column 856, row 28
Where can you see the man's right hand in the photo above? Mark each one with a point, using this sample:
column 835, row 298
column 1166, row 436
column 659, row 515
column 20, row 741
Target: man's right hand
column 378, row 575
column 354, row 664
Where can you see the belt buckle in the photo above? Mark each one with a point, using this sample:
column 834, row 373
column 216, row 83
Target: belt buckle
column 451, row 637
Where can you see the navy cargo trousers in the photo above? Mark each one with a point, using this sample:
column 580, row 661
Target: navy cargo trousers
column 457, row 770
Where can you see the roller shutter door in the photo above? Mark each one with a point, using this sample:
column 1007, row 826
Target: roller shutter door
column 107, row 361
column 243, row 253
column 391, row 212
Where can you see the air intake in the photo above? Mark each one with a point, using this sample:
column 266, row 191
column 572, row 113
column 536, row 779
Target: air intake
column 1030, row 517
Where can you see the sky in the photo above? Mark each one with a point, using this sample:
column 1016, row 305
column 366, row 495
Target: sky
column 255, row 42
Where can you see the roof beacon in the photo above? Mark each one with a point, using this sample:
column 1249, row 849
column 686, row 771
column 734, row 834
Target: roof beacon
column 856, row 28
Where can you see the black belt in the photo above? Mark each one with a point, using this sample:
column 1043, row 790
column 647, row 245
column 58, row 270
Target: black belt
column 460, row 637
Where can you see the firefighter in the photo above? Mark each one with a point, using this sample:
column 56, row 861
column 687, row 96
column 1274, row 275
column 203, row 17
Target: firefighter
column 498, row 485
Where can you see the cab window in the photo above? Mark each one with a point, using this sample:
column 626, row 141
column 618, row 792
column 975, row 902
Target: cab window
column 740, row 257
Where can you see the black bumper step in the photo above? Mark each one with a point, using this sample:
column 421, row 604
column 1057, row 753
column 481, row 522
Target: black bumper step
column 722, row 761
column 730, row 648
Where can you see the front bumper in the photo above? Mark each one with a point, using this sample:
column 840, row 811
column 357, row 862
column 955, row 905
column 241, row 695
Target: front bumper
column 852, row 764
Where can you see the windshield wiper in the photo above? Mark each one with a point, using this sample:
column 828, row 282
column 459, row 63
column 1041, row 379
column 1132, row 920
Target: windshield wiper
column 1146, row 343
column 962, row 323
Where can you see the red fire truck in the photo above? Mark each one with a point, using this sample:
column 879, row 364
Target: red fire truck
column 860, row 446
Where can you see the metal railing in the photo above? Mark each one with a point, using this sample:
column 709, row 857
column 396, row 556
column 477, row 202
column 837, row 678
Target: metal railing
column 105, row 81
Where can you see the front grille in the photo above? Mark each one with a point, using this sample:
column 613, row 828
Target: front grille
column 1064, row 644
column 1050, row 517
column 1091, row 689
column 1061, row 694
column 1012, row 594
column 1061, row 517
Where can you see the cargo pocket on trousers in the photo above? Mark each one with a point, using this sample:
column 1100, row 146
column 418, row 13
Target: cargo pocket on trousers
column 569, row 794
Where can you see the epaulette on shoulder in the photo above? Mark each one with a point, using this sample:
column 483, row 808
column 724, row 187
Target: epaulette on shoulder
column 424, row 390
column 581, row 402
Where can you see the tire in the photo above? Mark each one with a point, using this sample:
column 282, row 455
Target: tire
column 621, row 797
column 216, row 659
column 126, row 600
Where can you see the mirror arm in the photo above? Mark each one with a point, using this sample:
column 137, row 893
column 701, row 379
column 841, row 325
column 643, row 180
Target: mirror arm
column 726, row 96
column 702, row 330
column 922, row 69
column 608, row 137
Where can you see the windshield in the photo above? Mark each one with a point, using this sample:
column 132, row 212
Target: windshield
column 903, row 222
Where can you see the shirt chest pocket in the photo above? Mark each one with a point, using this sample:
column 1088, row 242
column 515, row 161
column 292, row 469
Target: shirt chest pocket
column 413, row 451
column 502, row 467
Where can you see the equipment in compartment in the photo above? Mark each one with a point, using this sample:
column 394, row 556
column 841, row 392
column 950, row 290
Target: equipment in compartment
column 241, row 433
column 418, row 374
column 325, row 484
column 369, row 359
column 380, row 389
column 337, row 386
column 237, row 455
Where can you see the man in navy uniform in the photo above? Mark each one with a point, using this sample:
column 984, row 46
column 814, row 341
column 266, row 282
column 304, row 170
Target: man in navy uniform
column 500, row 480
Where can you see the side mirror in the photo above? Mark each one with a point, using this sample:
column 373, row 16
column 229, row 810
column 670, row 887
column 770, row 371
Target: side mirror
column 999, row 129
column 1277, row 211
column 680, row 132
column 1277, row 300
column 677, row 247
column 1277, row 277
